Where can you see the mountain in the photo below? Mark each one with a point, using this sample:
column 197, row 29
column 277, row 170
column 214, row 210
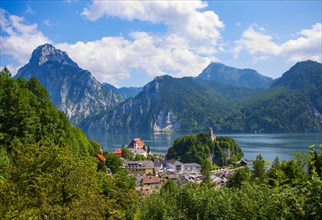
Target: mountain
column 165, row 104
column 73, row 90
column 234, row 94
column 125, row 92
column 227, row 75
column 293, row 102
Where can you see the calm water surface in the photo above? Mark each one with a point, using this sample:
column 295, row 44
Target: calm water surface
column 269, row 145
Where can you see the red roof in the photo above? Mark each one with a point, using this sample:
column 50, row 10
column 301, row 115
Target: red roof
column 138, row 142
column 151, row 180
column 118, row 152
column 101, row 157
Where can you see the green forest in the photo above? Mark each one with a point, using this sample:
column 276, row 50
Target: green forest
column 197, row 148
column 48, row 170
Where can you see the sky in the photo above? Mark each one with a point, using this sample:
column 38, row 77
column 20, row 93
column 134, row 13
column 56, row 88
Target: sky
column 128, row 43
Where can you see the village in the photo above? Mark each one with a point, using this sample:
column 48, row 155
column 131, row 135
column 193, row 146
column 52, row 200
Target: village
column 151, row 174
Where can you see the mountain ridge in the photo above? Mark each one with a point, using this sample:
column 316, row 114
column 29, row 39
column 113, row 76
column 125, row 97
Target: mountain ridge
column 248, row 78
column 291, row 103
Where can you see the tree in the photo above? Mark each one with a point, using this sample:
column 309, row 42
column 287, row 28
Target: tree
column 5, row 72
column 47, row 181
column 112, row 161
column 205, row 170
column 276, row 175
column 315, row 161
column 259, row 167
column 148, row 150
column 239, row 177
column 127, row 154
column 139, row 157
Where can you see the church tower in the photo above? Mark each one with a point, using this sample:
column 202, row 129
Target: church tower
column 211, row 134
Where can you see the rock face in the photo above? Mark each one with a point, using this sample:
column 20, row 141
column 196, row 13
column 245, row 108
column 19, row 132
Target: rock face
column 73, row 90
column 247, row 78
column 166, row 122
column 166, row 104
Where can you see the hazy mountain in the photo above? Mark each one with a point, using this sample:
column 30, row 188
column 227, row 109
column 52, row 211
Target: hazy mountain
column 227, row 75
column 292, row 103
column 165, row 104
column 73, row 90
column 125, row 92
column 234, row 94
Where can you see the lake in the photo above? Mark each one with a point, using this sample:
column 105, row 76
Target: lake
column 269, row 145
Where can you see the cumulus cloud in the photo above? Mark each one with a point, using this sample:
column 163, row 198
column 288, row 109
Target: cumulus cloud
column 186, row 48
column 307, row 45
column 19, row 39
column 113, row 58
column 201, row 29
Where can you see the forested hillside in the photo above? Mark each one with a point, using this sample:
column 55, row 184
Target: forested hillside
column 47, row 166
column 293, row 103
column 165, row 104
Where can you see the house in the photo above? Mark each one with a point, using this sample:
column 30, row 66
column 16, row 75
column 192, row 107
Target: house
column 153, row 181
column 172, row 176
column 139, row 167
column 182, row 167
column 118, row 152
column 242, row 162
column 175, row 165
column 158, row 166
column 191, row 167
column 101, row 157
column 137, row 146
column 144, row 190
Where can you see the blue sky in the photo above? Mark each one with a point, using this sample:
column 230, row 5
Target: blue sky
column 128, row 43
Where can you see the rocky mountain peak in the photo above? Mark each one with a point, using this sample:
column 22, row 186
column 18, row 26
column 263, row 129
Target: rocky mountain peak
column 48, row 53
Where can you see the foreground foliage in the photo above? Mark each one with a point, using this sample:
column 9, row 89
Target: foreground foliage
column 47, row 167
column 286, row 191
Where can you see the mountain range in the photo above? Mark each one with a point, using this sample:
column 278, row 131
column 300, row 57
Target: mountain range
column 225, row 98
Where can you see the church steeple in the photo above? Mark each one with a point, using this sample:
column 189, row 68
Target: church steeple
column 211, row 134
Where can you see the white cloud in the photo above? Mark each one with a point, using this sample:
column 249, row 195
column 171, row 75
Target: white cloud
column 19, row 39
column 262, row 46
column 113, row 58
column 47, row 23
column 186, row 49
column 29, row 10
column 186, row 19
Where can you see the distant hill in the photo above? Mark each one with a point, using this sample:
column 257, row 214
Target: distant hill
column 234, row 94
column 292, row 103
column 125, row 92
column 165, row 104
column 227, row 75
column 73, row 90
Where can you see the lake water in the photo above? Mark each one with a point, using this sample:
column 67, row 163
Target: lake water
column 269, row 145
